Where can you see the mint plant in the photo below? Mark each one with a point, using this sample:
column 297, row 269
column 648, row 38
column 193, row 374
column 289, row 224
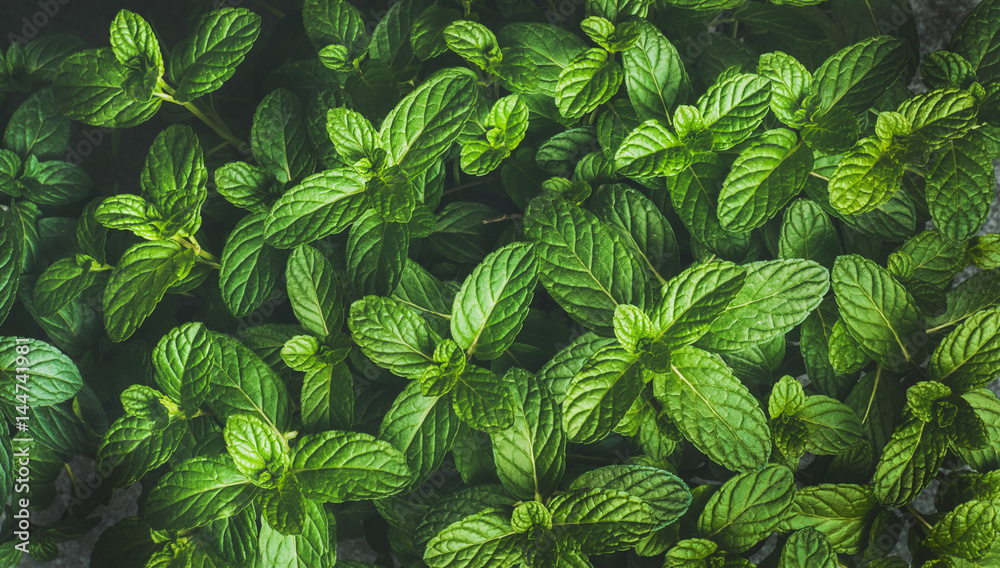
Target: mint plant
column 488, row 284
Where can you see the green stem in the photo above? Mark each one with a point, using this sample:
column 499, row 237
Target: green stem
column 204, row 256
column 918, row 516
column 210, row 118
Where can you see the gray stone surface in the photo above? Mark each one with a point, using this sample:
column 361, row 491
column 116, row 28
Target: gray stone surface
column 936, row 19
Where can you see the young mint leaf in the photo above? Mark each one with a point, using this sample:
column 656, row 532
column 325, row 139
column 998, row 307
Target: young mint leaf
column 939, row 116
column 345, row 466
column 242, row 383
column 90, row 88
column 713, row 410
column 588, row 279
column 866, row 178
column 206, row 59
column 139, row 281
column 278, row 137
column 473, row 42
column 174, row 179
column 134, row 446
column 765, row 176
column 352, row 135
column 196, row 492
column 808, row 233
column 790, row 82
column 530, row 456
column 134, row 43
column 651, row 150
column 423, row 428
column 313, row 545
column 183, row 359
column 654, row 74
column 322, row 204
column 734, row 107
column 691, row 301
column 284, row 507
column 259, row 451
column 876, row 310
column 493, row 302
column 314, row 291
column 483, row 401
column 334, row 21
column 747, row 508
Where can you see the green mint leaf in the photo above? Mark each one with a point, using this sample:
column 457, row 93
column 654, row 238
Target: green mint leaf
column 327, row 398
column 587, row 279
column 134, row 446
column 473, row 42
column 691, row 301
column 777, row 296
column 787, row 397
column 90, row 88
column 246, row 186
column 258, row 450
column 978, row 41
column 207, row 58
column 392, row 336
column 854, row 77
column 55, row 183
column 833, row 133
column 866, row 178
column 910, row 461
column 352, row 135
column 483, row 401
column 969, row 356
column 62, row 281
column 960, row 187
column 833, row 427
column 714, row 410
column 322, row 204
column 423, row 428
column 50, row 375
column 842, row 512
column 278, row 137
column 601, row 520
column 334, row 21
column 808, row 548
column 483, row 540
column 242, row 383
column 645, row 230
column 876, row 310
column 550, row 49
column 139, row 281
column 134, row 43
column 11, row 252
column 939, row 116
column 790, row 82
column 845, row 353
column 747, row 508
column 987, row 407
column 341, row 466
column 807, row 232
column 666, row 495
column 530, row 456
column 426, row 37
column 250, row 267
column 734, row 107
column 376, row 253
column 764, row 178
column 967, row 532
column 422, row 127
column 600, row 394
column 196, row 492
column 493, row 302
column 313, row 545
column 654, row 74
column 174, row 179
column 37, row 128
column 183, row 359
column 284, row 508
column 314, row 291
column 651, row 150
column 587, row 82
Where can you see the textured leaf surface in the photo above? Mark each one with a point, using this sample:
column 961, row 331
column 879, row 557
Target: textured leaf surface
column 747, row 508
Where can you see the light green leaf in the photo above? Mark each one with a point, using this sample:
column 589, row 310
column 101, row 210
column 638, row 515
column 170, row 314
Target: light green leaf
column 969, row 356
column 493, row 302
column 139, row 281
column 313, row 547
column 714, row 410
column 242, row 383
column 939, row 116
column 651, row 150
column 341, row 466
column 967, row 532
column 284, row 508
column 183, row 360
column 585, row 269
column 174, row 179
column 833, row 426
column 601, row 393
column 352, row 135
column 877, row 311
column 691, row 301
column 842, row 512
column 854, row 77
column 259, row 451
column 134, row 43
column 483, row 400
column 865, row 178
column 207, row 58
column 601, row 520
column 766, row 175
column 90, row 88
column 550, row 48
column 423, row 428
column 808, row 548
column 747, row 508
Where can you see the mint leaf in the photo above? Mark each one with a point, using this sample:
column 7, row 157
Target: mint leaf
column 392, row 336
column 279, row 139
column 196, row 492
column 654, row 74
column 482, row 540
column 250, row 266
column 969, row 356
column 340, row 466
column 734, row 107
column 842, row 512
column 858, row 74
column 747, row 508
column 322, row 204
column 90, row 88
column 588, row 80
column 911, row 460
column 314, row 291
column 206, row 59
column 423, row 428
